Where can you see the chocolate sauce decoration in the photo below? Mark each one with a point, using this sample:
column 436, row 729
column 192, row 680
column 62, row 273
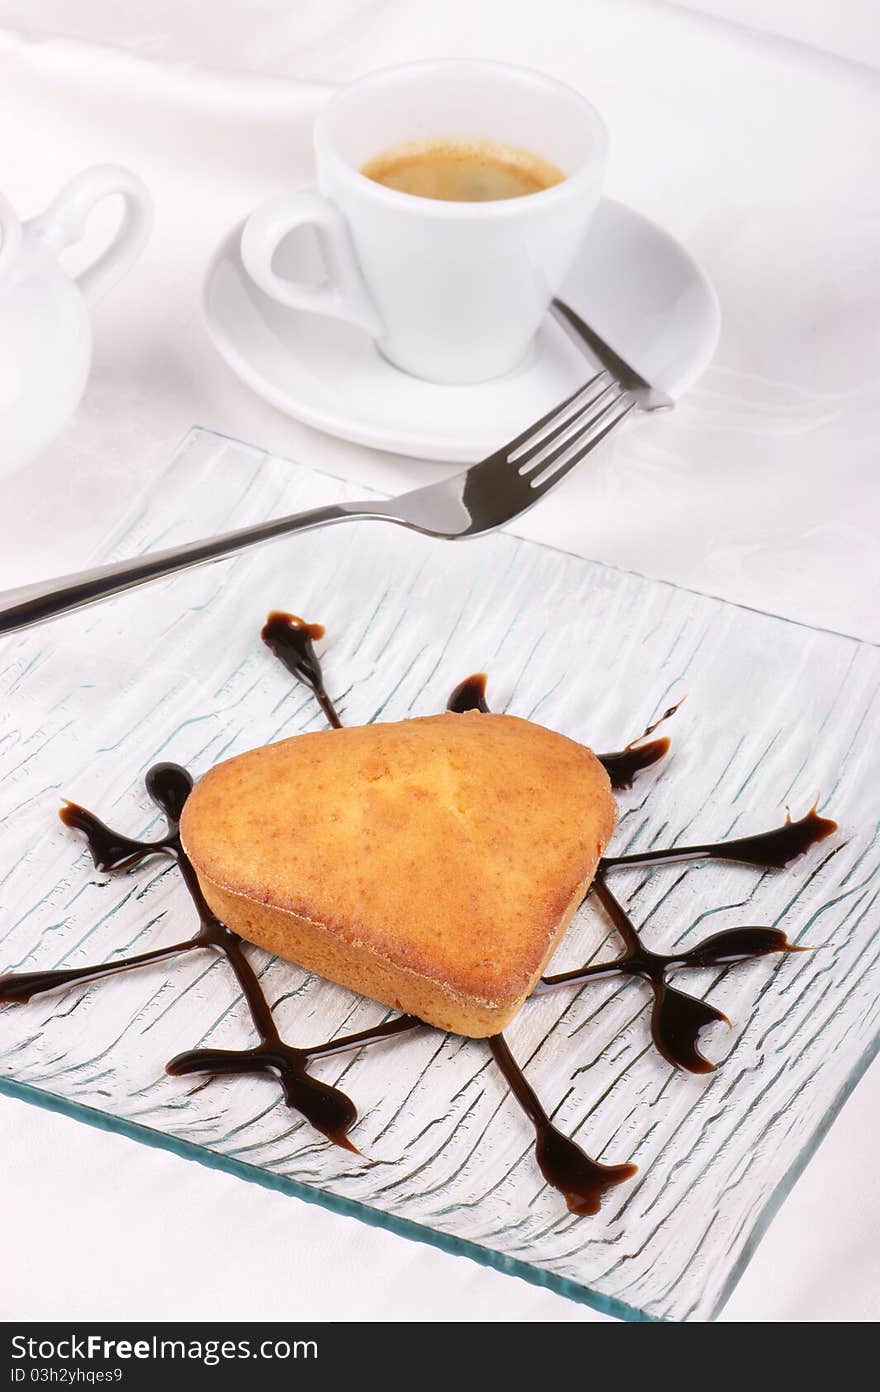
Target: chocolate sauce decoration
column 169, row 786
column 767, row 850
column 469, row 695
column 328, row 1109
column 676, row 1022
column 677, row 1019
column 623, row 766
column 292, row 640
column 580, row 1180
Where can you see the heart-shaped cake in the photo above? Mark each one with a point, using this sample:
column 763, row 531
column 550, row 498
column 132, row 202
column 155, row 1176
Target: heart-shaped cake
column 432, row 864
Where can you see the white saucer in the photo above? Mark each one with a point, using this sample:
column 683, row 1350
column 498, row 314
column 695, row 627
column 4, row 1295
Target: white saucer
column 632, row 283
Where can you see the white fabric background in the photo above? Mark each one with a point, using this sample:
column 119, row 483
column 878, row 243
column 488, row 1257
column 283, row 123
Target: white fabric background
column 760, row 150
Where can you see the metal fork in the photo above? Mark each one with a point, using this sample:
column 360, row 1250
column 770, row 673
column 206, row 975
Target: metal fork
column 479, row 500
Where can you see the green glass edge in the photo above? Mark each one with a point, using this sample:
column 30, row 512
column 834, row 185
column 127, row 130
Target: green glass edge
column 404, row 1227
column 352, row 1208
column 795, row 1170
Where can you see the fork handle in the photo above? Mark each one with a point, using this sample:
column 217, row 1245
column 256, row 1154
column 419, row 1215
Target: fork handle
column 46, row 599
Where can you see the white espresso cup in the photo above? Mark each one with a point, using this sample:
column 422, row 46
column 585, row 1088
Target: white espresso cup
column 450, row 291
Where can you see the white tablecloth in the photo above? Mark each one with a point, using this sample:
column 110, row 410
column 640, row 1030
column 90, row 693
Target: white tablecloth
column 760, row 150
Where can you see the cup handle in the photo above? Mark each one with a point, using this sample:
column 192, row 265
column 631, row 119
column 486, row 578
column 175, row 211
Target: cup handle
column 343, row 295
column 65, row 219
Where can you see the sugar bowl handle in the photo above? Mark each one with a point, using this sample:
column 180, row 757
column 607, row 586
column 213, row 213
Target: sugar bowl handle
column 64, row 222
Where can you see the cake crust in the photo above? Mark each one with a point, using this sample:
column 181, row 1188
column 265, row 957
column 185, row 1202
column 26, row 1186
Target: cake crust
column 432, row 864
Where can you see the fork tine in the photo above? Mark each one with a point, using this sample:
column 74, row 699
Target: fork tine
column 550, row 476
column 531, row 430
column 544, row 461
column 590, row 393
column 568, row 429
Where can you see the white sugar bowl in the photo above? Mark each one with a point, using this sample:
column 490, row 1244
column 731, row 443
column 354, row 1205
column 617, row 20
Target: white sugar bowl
column 45, row 333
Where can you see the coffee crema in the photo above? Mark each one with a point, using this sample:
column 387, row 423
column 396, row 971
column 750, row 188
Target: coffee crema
column 462, row 171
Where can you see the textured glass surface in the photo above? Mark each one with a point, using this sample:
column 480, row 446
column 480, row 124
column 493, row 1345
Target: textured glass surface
column 775, row 713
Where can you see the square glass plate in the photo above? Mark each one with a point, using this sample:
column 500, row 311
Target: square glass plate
column 775, row 713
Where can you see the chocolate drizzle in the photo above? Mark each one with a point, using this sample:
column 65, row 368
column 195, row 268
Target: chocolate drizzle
column 327, row 1108
column 469, row 695
column 580, row 1180
column 677, row 1019
column 623, row 766
column 767, row 850
column 292, row 641
column 169, row 786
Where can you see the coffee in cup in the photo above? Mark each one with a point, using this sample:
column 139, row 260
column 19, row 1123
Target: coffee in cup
column 462, row 171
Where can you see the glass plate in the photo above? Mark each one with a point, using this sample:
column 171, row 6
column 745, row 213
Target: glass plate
column 775, row 713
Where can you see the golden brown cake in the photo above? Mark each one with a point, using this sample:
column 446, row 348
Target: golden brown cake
column 432, row 864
